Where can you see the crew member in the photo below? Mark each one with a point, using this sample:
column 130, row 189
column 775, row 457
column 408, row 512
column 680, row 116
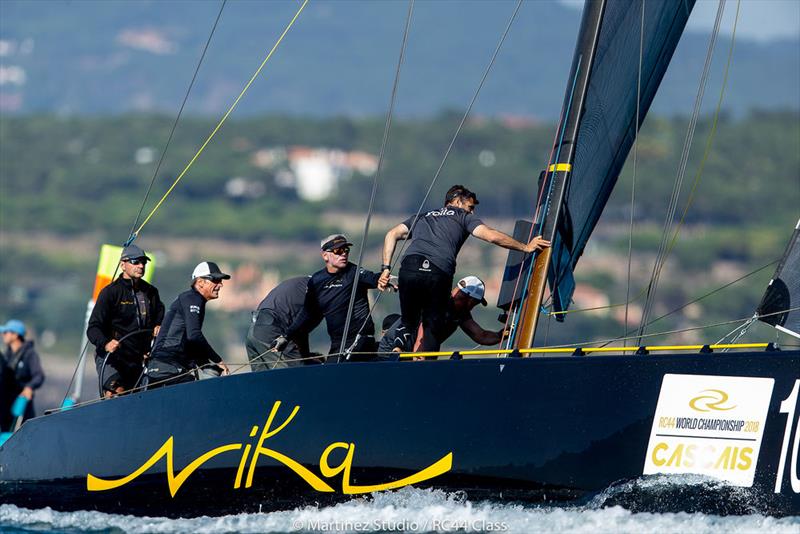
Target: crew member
column 468, row 293
column 426, row 272
column 181, row 346
column 22, row 374
column 274, row 315
column 328, row 296
column 124, row 321
column 387, row 344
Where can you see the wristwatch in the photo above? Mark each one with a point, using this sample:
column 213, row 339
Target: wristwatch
column 385, row 267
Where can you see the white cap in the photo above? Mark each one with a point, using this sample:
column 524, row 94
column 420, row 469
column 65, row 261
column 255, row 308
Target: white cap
column 473, row 286
column 209, row 269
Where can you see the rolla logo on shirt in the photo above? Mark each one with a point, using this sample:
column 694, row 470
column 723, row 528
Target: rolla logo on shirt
column 193, row 308
column 440, row 212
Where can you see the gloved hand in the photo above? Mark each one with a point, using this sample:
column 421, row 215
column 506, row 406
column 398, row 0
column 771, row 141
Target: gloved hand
column 280, row 343
column 18, row 408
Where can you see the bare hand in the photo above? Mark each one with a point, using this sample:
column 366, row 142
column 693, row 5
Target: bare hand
column 112, row 345
column 383, row 281
column 225, row 370
column 27, row 392
column 537, row 243
column 156, row 330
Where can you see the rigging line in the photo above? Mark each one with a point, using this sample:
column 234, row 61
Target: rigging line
column 452, row 143
column 605, row 342
column 635, row 159
column 543, row 205
column 175, row 123
column 224, row 118
column 386, row 128
column 514, row 308
column 652, row 285
column 742, row 330
column 710, row 139
column 698, row 299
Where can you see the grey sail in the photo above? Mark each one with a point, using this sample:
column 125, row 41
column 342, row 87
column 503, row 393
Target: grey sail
column 608, row 119
column 780, row 306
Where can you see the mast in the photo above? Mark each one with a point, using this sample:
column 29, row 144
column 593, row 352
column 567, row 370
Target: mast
column 558, row 174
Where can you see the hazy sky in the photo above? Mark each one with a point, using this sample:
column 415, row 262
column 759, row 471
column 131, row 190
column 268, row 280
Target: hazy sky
column 760, row 20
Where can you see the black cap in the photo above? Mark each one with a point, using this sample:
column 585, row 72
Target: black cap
column 335, row 241
column 132, row 252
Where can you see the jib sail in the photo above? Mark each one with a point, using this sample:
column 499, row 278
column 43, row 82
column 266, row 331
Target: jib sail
column 780, row 305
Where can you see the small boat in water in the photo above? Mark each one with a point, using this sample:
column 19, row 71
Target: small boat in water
column 517, row 424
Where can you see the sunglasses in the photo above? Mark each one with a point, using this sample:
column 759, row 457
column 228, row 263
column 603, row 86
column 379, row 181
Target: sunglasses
column 138, row 261
column 340, row 251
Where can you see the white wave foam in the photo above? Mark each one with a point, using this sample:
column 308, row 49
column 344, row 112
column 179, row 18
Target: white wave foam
column 411, row 510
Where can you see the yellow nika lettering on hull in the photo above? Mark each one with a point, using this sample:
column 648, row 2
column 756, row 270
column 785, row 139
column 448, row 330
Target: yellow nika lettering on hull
column 94, row 483
column 441, row 466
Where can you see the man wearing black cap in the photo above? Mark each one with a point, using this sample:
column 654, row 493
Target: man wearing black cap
column 181, row 346
column 124, row 321
column 426, row 271
column 328, row 296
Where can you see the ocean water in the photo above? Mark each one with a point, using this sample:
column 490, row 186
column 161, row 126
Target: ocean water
column 414, row 510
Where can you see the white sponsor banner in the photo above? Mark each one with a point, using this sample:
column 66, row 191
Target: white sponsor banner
column 709, row 425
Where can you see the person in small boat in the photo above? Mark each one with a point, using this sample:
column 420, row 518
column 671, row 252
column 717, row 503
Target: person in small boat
column 181, row 347
column 274, row 315
column 328, row 296
column 22, row 375
column 123, row 323
column 426, row 272
column 468, row 293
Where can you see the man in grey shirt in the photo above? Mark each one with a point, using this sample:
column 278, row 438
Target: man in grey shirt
column 274, row 316
column 426, row 272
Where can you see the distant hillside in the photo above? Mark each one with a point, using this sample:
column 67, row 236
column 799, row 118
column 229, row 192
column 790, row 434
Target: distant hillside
column 99, row 57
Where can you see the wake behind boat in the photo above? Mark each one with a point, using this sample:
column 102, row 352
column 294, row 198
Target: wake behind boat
column 517, row 424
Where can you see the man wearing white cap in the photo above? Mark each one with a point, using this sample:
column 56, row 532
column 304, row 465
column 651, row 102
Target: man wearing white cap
column 181, row 346
column 468, row 293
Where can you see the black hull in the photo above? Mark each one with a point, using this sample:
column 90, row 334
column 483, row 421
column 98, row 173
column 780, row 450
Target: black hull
column 529, row 429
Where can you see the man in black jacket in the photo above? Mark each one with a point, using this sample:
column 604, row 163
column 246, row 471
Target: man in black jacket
column 125, row 319
column 328, row 296
column 274, row 315
column 181, row 346
column 21, row 374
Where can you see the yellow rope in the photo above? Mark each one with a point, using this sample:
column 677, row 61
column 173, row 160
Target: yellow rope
column 569, row 350
column 219, row 125
column 690, row 199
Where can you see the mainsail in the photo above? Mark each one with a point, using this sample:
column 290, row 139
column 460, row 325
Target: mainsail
column 607, row 99
column 780, row 306
column 608, row 125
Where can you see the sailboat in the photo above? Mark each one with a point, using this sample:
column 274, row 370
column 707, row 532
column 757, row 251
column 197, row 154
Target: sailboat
column 504, row 425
